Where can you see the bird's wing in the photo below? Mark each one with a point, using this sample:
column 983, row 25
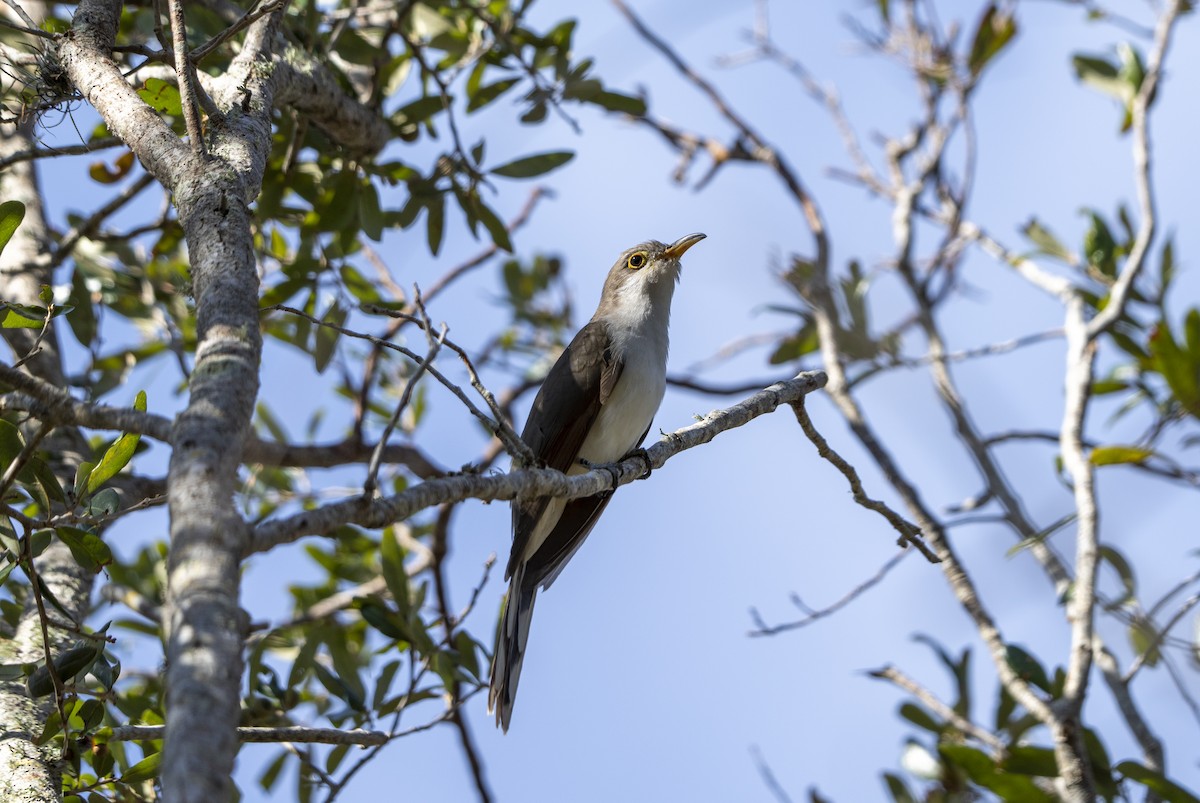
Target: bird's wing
column 562, row 415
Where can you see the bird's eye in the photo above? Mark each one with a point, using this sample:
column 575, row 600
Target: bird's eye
column 637, row 260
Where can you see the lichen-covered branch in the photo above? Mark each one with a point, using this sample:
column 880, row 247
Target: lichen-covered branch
column 534, row 482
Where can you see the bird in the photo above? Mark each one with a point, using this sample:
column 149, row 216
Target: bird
column 594, row 408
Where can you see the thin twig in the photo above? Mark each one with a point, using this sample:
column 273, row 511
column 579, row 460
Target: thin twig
column 252, row 14
column 898, row 678
column 89, row 226
column 1160, row 635
column 496, row 427
column 1142, row 175
column 32, row 26
column 763, row 629
column 186, row 76
column 435, row 345
column 910, row 534
column 26, row 454
column 768, row 777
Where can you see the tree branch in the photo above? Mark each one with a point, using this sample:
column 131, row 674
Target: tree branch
column 898, row 678
column 910, row 535
column 293, row 733
column 533, row 482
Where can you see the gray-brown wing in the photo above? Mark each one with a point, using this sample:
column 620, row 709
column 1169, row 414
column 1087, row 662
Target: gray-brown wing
column 563, row 412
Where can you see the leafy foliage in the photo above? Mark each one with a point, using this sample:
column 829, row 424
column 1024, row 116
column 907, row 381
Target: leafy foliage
column 384, row 652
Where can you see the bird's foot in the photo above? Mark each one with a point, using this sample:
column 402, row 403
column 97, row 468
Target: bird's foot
column 645, row 456
column 609, row 467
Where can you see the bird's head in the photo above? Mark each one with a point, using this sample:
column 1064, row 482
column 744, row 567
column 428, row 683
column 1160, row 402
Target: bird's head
column 646, row 272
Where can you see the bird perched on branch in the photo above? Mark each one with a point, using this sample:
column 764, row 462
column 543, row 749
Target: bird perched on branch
column 595, row 407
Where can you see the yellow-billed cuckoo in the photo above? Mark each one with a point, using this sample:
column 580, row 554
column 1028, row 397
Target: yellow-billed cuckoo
column 594, row 407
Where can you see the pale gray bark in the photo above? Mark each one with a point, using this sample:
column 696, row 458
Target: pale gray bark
column 204, row 625
column 30, row 773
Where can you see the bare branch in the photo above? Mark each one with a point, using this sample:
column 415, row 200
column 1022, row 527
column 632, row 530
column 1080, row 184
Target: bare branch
column 768, row 777
column 816, row 615
column 536, row 482
column 898, row 678
column 252, row 14
column 186, row 75
column 761, row 151
column 30, row 154
column 1143, row 180
column 90, row 225
column 295, row 733
column 909, row 533
column 435, row 345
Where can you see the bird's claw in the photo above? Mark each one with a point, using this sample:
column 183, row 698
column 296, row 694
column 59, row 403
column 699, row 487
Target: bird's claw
column 645, row 456
column 612, row 470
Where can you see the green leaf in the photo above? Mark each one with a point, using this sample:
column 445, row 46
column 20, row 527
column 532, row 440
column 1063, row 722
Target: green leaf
column 162, row 97
column 23, row 316
column 104, row 502
column 82, row 319
column 1166, row 266
column 1114, row 455
column 89, row 713
column 495, row 227
column 1177, row 366
column 435, row 222
column 996, row 29
column 382, row 618
column 1045, row 240
column 144, row 770
column 338, row 687
column 88, row 549
column 358, row 285
column 1026, row 667
column 1191, row 334
column 11, row 215
column 1106, row 785
column 339, row 203
column 793, row 347
column 1103, row 387
column 11, row 446
column 327, row 337
column 536, row 165
column 1101, row 74
column 419, row 110
column 1132, row 70
column 370, row 217
column 1144, row 638
column 391, row 557
column 982, row 771
column 616, row 102
column 898, row 789
column 1123, row 569
column 271, row 773
column 1154, row 781
column 1099, row 247
column 69, row 665
column 489, row 93
column 1027, row 759
column 119, row 454
column 920, row 717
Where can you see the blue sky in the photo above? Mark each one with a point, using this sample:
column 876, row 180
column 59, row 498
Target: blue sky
column 640, row 681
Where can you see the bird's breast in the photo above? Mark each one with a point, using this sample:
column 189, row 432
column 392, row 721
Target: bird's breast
column 635, row 399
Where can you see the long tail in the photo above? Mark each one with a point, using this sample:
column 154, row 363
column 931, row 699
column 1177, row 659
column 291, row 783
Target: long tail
column 510, row 648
